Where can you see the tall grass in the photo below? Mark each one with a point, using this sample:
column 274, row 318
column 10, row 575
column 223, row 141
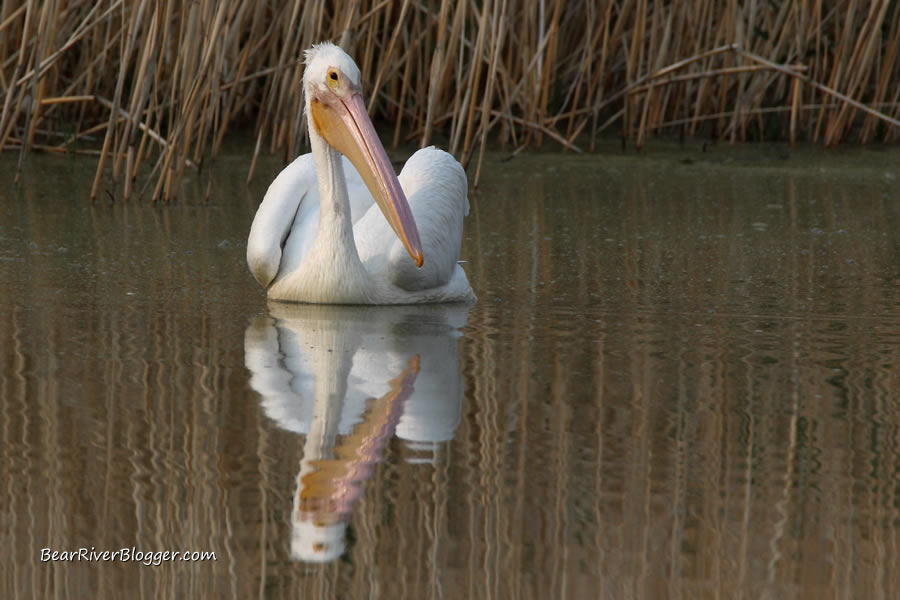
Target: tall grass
column 160, row 83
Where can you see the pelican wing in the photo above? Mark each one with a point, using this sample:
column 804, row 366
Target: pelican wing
column 285, row 224
column 436, row 188
column 277, row 215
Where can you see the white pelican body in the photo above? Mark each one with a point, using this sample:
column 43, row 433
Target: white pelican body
column 319, row 236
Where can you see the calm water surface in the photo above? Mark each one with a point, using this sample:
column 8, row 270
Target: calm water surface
column 680, row 381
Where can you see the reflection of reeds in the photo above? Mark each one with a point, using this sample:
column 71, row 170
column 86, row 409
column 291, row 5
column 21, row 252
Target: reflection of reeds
column 723, row 474
column 164, row 82
column 641, row 447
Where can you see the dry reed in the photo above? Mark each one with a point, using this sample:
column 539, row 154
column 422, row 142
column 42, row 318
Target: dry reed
column 163, row 82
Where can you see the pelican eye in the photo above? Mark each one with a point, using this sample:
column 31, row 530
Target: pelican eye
column 333, row 78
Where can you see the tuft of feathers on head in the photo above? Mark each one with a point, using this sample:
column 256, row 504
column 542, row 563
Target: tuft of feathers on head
column 325, row 55
column 310, row 53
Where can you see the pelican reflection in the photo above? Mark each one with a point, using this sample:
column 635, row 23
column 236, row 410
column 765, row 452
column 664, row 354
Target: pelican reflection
column 349, row 378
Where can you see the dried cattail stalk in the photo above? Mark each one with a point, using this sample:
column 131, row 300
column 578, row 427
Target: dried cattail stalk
column 166, row 81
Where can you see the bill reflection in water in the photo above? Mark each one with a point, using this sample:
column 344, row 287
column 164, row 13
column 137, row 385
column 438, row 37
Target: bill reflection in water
column 348, row 378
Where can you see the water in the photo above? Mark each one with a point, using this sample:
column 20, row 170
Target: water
column 680, row 380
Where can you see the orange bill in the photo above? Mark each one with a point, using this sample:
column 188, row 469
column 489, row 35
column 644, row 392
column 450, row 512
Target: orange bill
column 345, row 125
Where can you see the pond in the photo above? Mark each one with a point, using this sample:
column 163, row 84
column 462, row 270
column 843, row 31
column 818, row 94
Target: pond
column 680, row 380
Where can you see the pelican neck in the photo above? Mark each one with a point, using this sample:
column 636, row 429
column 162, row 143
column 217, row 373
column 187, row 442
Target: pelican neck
column 334, row 202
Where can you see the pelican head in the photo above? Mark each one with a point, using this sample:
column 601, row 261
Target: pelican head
column 337, row 113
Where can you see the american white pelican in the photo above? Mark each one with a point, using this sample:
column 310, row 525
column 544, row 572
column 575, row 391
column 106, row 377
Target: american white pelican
column 317, row 236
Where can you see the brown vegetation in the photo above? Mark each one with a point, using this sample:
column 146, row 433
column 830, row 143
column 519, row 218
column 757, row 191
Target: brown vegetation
column 164, row 81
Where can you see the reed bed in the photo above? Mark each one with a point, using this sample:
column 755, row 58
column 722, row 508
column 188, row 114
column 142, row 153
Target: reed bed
column 154, row 87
